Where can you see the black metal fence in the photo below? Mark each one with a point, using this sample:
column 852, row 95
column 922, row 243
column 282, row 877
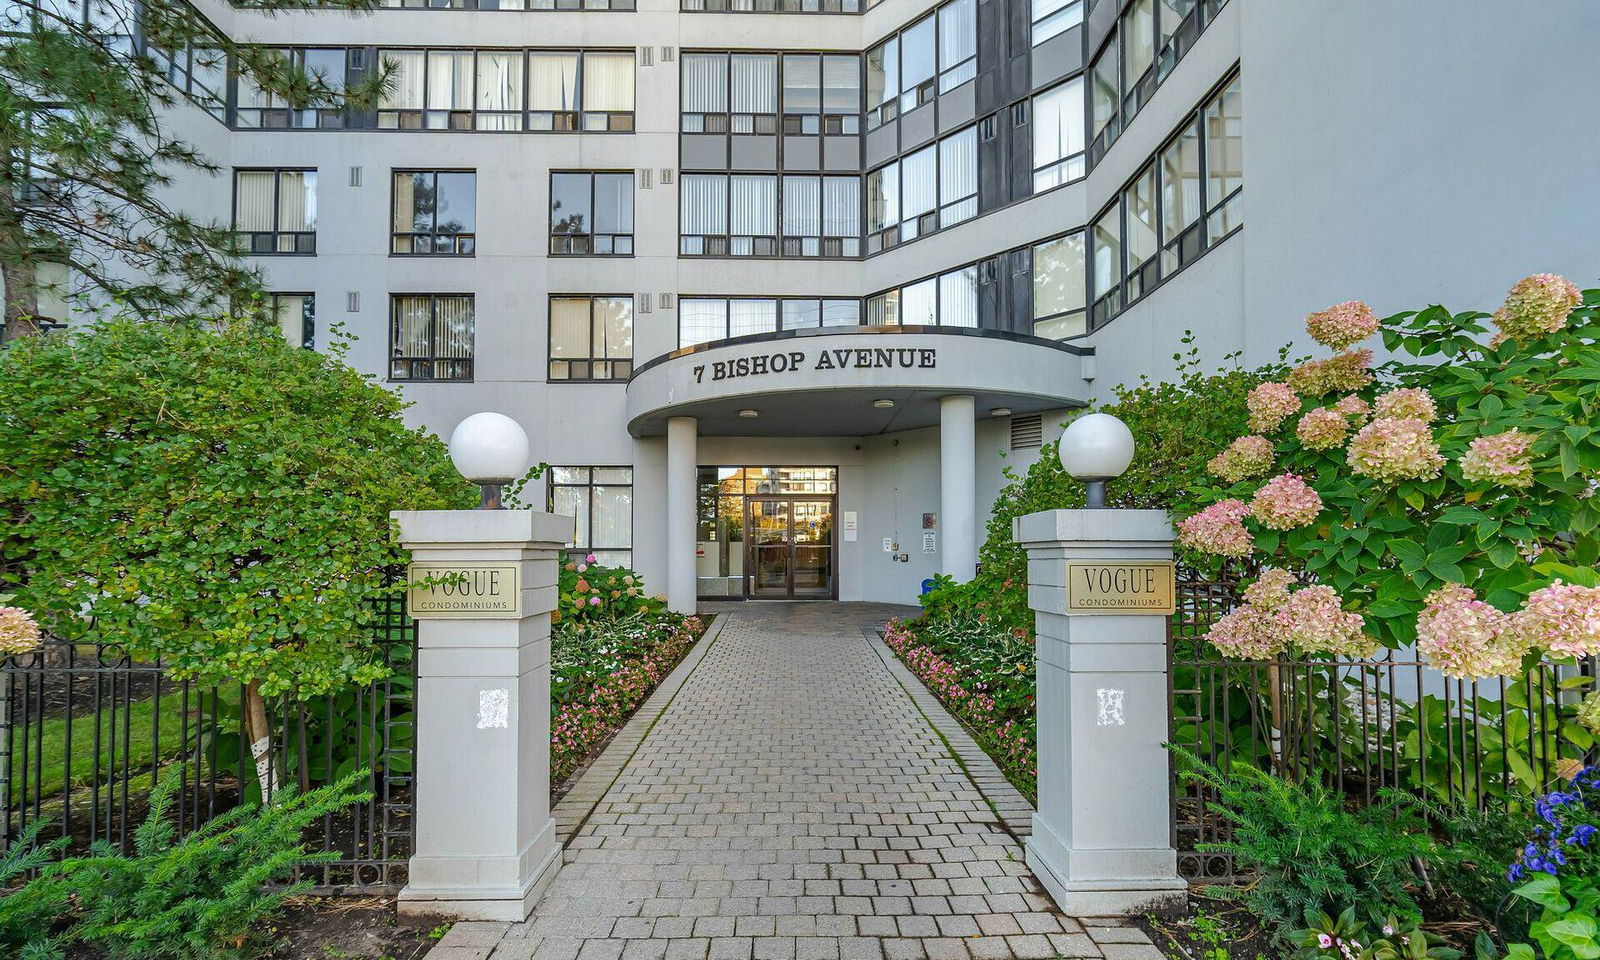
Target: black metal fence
column 86, row 731
column 1360, row 726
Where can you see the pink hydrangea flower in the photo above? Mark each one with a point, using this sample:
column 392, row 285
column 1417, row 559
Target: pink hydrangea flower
column 589, row 558
column 1285, row 502
column 1387, row 449
column 1465, row 638
column 1245, row 457
column 1407, row 404
column 1502, row 458
column 1270, row 590
column 1218, row 529
column 1562, row 618
column 1341, row 372
column 1246, row 633
column 1353, row 408
column 594, row 601
column 1270, row 404
column 1314, row 620
column 1322, row 429
column 1536, row 305
column 19, row 633
column 1342, row 324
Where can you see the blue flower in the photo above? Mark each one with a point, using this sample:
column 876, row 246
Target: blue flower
column 1582, row 834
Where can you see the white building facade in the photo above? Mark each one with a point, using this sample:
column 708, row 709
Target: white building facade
column 778, row 293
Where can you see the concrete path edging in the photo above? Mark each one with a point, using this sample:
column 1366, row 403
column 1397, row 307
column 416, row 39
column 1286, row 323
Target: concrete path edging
column 574, row 808
column 1008, row 803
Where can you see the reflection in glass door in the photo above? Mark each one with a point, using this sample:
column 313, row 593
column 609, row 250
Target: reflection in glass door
column 770, row 547
column 790, row 548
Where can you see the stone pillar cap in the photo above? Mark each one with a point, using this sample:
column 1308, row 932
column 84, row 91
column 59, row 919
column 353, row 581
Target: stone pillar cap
column 422, row 527
column 1098, row 526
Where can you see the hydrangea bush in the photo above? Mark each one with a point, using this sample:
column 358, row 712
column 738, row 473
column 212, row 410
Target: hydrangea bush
column 1443, row 498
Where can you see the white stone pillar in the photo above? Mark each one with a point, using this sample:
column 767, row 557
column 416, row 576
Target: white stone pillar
column 682, row 465
column 485, row 841
column 958, row 497
column 1102, row 836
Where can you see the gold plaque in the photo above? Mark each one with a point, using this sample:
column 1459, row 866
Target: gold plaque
column 1121, row 586
column 464, row 591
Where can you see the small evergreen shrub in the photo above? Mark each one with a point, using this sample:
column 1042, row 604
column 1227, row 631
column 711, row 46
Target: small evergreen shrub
column 1310, row 854
column 202, row 897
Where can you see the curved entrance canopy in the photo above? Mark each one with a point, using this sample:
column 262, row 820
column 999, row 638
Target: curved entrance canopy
column 832, row 383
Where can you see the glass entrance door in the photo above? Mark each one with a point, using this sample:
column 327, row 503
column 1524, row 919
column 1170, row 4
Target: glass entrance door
column 789, row 545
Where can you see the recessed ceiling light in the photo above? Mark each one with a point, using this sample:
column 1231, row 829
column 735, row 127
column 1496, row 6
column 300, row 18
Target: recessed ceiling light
column 749, row 414
column 883, row 404
column 1000, row 412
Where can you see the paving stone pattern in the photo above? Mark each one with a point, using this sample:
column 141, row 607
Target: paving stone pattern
column 792, row 803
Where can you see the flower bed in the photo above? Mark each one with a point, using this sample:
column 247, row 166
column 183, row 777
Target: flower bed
column 610, row 645
column 983, row 684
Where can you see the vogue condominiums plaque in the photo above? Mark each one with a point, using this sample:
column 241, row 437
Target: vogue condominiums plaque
column 463, row 591
column 1120, row 586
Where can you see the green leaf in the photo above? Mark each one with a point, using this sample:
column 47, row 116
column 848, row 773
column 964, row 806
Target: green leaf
column 1544, row 890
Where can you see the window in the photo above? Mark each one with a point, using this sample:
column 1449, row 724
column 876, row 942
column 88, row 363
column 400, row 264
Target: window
column 508, row 90
column 917, row 64
column 275, row 211
column 1104, row 98
column 883, row 82
column 1187, row 198
column 1149, row 39
column 1140, row 240
column 821, row 216
column 811, row 314
column 774, row 6
column 735, row 93
column 958, row 43
column 600, row 502
column 924, row 191
column 1224, row 123
column 1052, row 17
column 197, row 68
column 431, row 337
column 1138, row 32
column 259, row 109
column 705, row 319
column 949, row 299
column 1058, row 288
column 733, row 215
column 1106, row 256
column 1058, row 135
column 591, row 338
column 435, row 213
column 705, row 93
column 821, row 94
column 1180, row 199
column 591, row 214
column 296, row 314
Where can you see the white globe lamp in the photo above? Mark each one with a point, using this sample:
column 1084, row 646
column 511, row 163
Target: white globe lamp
column 1095, row 448
column 491, row 450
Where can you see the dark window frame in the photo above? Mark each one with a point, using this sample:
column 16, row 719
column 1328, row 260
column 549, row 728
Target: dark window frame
column 308, row 314
column 304, row 241
column 463, row 369
column 589, row 236
column 589, row 361
column 465, row 243
column 588, row 545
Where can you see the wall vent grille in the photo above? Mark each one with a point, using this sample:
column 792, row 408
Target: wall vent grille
column 644, row 178
column 668, row 54
column 666, row 301
column 647, row 56
column 666, row 177
column 644, row 302
column 355, row 176
column 352, row 302
column 1027, row 431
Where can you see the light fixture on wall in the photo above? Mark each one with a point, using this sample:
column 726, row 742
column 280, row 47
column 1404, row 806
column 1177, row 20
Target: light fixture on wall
column 883, row 404
column 999, row 411
column 749, row 414
column 491, row 450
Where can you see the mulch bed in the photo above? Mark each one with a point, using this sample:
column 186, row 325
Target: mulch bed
column 365, row 928
column 1209, row 929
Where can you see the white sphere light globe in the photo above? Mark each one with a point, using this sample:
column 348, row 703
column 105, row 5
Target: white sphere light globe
column 1096, row 446
column 489, row 448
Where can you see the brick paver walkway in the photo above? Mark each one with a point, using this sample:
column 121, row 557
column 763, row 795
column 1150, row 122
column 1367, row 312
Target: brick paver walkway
column 792, row 803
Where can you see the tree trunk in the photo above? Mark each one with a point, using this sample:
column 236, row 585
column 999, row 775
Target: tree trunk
column 258, row 734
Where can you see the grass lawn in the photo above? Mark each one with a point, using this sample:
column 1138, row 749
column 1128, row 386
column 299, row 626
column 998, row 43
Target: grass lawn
column 129, row 738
